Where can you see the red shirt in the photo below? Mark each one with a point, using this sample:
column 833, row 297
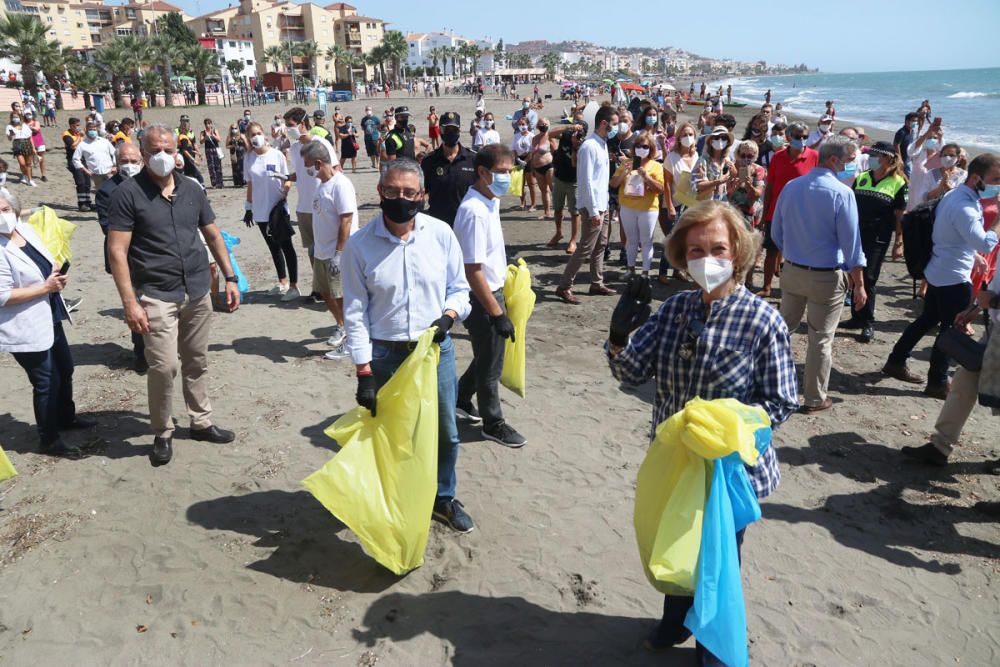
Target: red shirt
column 979, row 278
column 783, row 169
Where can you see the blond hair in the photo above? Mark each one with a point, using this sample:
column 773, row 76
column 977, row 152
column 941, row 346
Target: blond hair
column 748, row 145
column 678, row 133
column 743, row 242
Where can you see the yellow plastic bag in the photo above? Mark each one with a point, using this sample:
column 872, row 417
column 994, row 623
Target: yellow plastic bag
column 520, row 300
column 54, row 232
column 383, row 481
column 6, row 467
column 516, row 181
column 674, row 481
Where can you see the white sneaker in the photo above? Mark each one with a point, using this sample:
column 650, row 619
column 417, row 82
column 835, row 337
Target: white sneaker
column 291, row 294
column 33, row 184
column 339, row 352
column 277, row 289
column 337, row 337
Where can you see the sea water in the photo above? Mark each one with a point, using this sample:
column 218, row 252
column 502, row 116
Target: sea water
column 967, row 100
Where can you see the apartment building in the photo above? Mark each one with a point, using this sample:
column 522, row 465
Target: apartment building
column 227, row 49
column 137, row 18
column 69, row 22
column 422, row 45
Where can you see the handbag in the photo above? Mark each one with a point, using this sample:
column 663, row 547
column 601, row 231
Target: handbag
column 221, row 153
column 961, row 347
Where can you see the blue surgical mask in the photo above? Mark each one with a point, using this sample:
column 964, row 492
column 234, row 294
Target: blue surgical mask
column 931, row 144
column 650, row 121
column 92, row 134
column 850, row 168
column 797, row 143
column 613, row 132
column 500, row 184
column 777, row 142
column 874, row 163
column 913, row 127
column 989, row 191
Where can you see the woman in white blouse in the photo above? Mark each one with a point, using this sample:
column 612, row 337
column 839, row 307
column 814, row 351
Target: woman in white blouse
column 521, row 145
column 19, row 134
column 266, row 173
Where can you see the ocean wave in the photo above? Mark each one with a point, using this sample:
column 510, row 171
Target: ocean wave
column 967, row 94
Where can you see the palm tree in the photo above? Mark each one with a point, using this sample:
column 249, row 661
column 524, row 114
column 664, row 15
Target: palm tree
column 235, row 68
column 53, row 65
column 449, row 52
column 376, row 58
column 275, row 55
column 472, row 51
column 85, row 79
column 341, row 56
column 550, row 61
column 137, row 58
column 150, row 81
column 23, row 40
column 309, row 49
column 113, row 59
column 165, row 54
column 200, row 63
column 435, row 55
column 395, row 50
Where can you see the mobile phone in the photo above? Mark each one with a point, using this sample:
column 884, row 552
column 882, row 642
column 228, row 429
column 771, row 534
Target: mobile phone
column 636, row 161
column 744, row 172
column 937, row 121
column 64, row 269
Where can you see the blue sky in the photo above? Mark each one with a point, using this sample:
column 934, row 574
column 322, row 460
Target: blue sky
column 879, row 35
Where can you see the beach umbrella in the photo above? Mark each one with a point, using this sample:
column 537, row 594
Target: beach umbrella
column 589, row 112
column 667, row 86
column 608, row 81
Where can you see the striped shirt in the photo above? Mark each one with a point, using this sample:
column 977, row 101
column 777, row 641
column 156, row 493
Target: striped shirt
column 740, row 350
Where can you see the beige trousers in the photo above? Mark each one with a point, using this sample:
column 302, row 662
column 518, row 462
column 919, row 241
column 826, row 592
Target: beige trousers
column 305, row 221
column 819, row 295
column 962, row 398
column 177, row 330
column 593, row 241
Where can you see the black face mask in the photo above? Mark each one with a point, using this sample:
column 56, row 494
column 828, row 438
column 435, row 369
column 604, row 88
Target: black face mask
column 400, row 210
column 451, row 138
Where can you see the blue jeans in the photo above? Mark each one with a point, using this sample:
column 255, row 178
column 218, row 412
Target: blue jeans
column 51, row 375
column 385, row 362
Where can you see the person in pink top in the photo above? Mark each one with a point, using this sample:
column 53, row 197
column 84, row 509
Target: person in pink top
column 37, row 140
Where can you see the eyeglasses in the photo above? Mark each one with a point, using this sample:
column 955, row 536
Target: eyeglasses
column 692, row 333
column 396, row 193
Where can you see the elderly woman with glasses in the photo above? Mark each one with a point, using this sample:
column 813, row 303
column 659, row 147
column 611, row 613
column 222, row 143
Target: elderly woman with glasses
column 719, row 341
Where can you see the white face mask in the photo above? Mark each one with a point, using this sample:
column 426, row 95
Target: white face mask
column 8, row 220
column 687, row 141
column 178, row 161
column 720, row 144
column 948, row 161
column 258, row 141
column 129, row 169
column 293, row 133
column 824, row 128
column 710, row 272
column 162, row 164
column 642, row 151
column 311, row 171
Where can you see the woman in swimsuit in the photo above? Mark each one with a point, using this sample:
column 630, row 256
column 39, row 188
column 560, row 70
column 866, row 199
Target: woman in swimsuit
column 541, row 164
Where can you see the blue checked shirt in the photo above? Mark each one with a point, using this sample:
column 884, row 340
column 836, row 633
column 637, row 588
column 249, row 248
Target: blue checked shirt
column 741, row 350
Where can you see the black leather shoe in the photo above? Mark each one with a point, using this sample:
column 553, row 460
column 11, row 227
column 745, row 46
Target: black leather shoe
column 162, row 452
column 79, row 423
column 901, row 372
column 853, row 323
column 62, row 450
column 213, row 434
column 139, row 364
column 867, row 334
column 926, row 454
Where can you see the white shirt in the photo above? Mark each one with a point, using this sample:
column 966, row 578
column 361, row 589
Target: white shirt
column 304, row 183
column 395, row 289
column 97, row 155
column 267, row 190
column 485, row 137
column 815, row 137
column 592, row 175
column 21, row 131
column 477, row 226
column 521, row 143
column 334, row 198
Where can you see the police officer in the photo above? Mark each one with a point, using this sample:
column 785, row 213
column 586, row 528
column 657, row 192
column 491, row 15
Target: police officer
column 400, row 141
column 449, row 170
column 318, row 129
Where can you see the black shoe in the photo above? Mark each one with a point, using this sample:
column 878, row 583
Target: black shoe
column 44, row 179
column 505, row 435
column 658, row 640
column 213, row 434
column 926, row 454
column 937, row 390
column 451, row 512
column 162, row 452
column 853, row 323
column 79, row 423
column 867, row 334
column 468, row 414
column 901, row 372
column 139, row 364
column 62, row 450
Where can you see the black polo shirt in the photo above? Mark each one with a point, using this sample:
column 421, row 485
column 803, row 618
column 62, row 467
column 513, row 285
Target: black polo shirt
column 446, row 182
column 400, row 143
column 166, row 257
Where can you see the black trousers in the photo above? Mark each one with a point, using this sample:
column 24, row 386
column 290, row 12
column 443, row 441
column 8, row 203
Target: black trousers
column 875, row 245
column 82, row 185
column 482, row 377
column 283, row 255
column 941, row 305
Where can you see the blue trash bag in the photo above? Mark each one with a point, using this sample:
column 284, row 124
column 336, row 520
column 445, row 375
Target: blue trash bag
column 241, row 280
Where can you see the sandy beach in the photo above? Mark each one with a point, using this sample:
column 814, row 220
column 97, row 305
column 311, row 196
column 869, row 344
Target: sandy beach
column 222, row 558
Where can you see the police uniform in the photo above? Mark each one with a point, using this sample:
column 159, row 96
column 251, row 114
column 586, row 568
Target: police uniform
column 446, row 181
column 399, row 142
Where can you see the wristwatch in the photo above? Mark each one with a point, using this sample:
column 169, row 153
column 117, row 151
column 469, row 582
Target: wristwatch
column 232, row 279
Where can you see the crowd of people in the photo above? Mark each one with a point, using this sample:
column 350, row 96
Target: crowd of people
column 820, row 208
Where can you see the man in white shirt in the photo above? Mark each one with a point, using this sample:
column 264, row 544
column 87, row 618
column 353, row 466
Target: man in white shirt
column 95, row 156
column 334, row 219
column 823, row 131
column 592, row 176
column 306, row 185
column 403, row 274
column 477, row 226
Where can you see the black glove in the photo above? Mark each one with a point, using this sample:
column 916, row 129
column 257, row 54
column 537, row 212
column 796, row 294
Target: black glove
column 366, row 392
column 503, row 326
column 248, row 218
column 443, row 325
column 632, row 310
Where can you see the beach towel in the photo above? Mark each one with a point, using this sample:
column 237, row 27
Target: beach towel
column 6, row 467
column 54, row 232
column 383, row 481
column 520, row 300
column 231, row 242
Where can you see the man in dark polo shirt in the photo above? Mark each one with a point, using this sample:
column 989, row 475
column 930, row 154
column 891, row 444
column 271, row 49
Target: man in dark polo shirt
column 161, row 270
column 400, row 141
column 448, row 171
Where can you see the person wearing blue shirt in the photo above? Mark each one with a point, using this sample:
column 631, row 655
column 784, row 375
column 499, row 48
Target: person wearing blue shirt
column 527, row 111
column 958, row 235
column 815, row 226
column 403, row 274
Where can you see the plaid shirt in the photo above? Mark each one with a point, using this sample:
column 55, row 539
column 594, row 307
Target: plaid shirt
column 741, row 350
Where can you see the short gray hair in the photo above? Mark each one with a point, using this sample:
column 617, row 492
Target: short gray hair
column 125, row 146
column 797, row 126
column 405, row 165
column 14, row 202
column 834, row 147
column 154, row 129
column 317, row 149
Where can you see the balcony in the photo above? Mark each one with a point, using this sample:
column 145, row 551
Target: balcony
column 291, row 22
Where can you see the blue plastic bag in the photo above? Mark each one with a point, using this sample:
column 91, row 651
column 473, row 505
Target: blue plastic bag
column 231, row 242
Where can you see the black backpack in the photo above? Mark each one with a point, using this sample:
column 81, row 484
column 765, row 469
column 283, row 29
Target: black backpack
column 918, row 244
